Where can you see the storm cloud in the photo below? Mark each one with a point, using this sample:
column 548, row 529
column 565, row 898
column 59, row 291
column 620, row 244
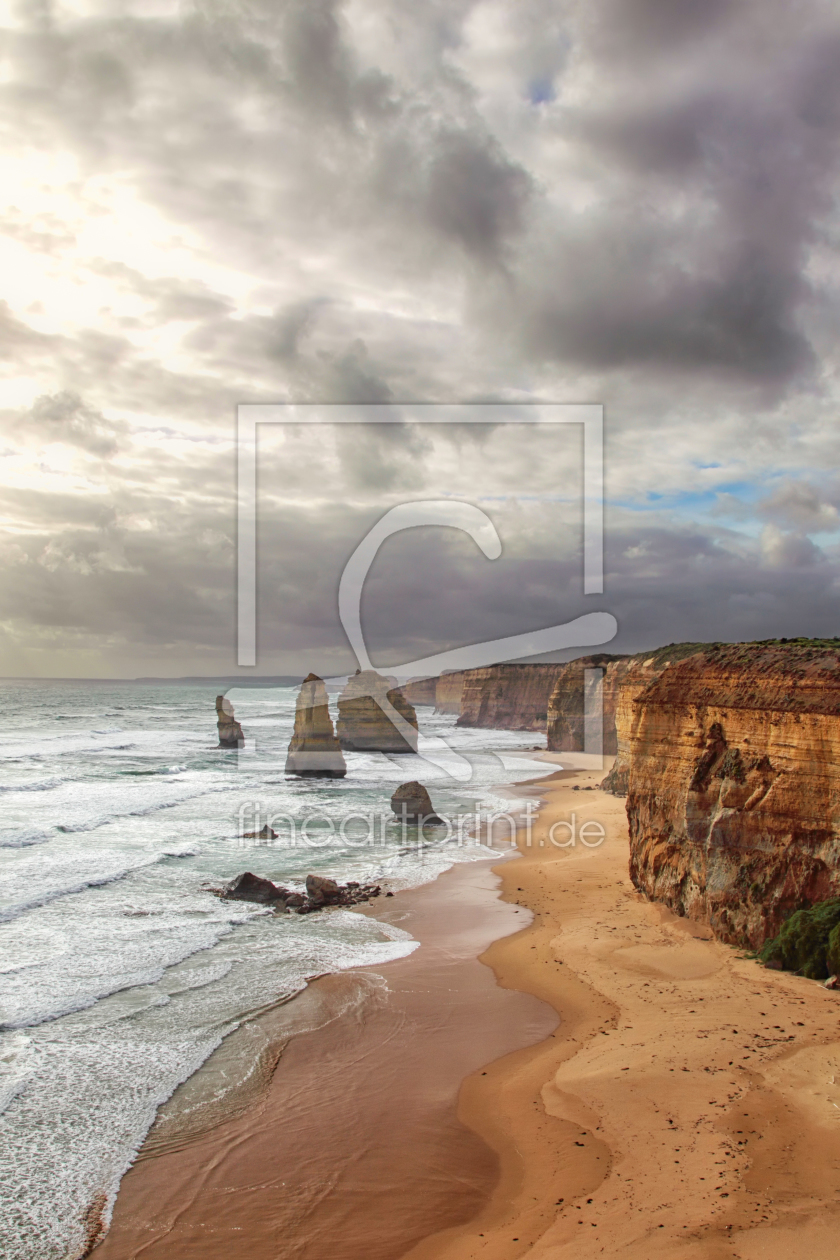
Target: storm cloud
column 632, row 203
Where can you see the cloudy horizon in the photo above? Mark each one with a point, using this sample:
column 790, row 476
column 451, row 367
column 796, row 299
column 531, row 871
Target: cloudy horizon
column 207, row 204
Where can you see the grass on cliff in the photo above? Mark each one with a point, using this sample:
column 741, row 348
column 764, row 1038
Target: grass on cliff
column 809, row 942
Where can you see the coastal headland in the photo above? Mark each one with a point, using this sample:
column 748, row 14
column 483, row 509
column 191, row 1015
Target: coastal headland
column 684, row 1107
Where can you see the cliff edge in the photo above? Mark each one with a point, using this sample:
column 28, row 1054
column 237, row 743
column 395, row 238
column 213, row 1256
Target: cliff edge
column 733, row 796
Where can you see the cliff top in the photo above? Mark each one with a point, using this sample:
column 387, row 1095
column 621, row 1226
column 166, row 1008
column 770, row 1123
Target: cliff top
column 800, row 675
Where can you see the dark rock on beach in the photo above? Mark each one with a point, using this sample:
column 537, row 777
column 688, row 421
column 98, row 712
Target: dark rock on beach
column 265, row 833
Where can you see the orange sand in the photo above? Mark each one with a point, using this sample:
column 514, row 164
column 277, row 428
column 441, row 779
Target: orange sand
column 689, row 1105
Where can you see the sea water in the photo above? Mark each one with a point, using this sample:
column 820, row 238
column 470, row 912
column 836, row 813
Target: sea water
column 121, row 970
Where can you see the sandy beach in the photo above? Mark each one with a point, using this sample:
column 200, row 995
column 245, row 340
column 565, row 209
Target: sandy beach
column 352, row 1146
column 689, row 1104
column 686, row 1105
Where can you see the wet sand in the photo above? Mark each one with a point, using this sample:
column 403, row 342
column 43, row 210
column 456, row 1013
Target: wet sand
column 687, row 1107
column 353, row 1147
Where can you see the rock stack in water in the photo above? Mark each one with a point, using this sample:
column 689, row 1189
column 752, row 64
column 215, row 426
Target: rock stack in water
column 314, row 752
column 230, row 732
column 411, row 803
column 367, row 708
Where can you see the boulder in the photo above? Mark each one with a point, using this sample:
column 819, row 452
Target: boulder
column 314, row 751
column 833, row 982
column 321, row 890
column 250, row 887
column 265, row 833
column 230, row 732
column 411, row 803
column 374, row 716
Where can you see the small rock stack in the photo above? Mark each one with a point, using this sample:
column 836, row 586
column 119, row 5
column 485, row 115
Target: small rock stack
column 374, row 716
column 314, row 752
column 411, row 803
column 230, row 732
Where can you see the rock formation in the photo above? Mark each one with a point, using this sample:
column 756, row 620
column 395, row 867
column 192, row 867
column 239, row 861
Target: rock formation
column 374, row 716
column 250, row 887
column 420, row 690
column 411, row 803
column 625, row 684
column 320, row 892
column 265, row 833
column 449, row 691
column 230, row 732
column 314, row 751
column 734, row 785
column 565, row 718
column 508, row 697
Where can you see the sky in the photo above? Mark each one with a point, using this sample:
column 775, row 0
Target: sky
column 631, row 203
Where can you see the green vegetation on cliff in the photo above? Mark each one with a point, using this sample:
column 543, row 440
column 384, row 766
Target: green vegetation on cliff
column 809, row 942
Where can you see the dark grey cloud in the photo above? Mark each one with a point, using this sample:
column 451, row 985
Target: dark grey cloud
column 476, row 195
column 649, row 27
column 632, row 202
column 798, row 505
column 65, row 417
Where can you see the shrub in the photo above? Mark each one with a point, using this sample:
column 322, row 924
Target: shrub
column 809, row 942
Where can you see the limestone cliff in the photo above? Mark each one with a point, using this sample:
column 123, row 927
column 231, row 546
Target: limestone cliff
column 733, row 798
column 448, row 692
column 314, row 751
column 623, row 682
column 565, row 722
column 508, row 697
column 230, row 732
column 420, row 690
column 374, row 716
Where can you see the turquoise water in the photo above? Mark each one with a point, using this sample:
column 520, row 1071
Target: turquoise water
column 120, row 970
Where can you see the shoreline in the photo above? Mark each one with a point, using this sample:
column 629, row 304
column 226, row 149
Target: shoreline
column 351, row 1143
column 684, row 1107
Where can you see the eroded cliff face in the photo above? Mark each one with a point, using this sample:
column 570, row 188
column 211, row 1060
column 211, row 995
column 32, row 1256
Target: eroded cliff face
column 733, row 797
column 448, row 692
column 420, row 690
column 623, row 677
column 565, row 721
column 624, row 682
column 508, row 697
column 374, row 716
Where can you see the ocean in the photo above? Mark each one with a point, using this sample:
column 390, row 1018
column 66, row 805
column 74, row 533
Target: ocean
column 121, row 971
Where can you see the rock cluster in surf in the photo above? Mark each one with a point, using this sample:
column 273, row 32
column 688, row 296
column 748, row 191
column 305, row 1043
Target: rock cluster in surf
column 320, row 892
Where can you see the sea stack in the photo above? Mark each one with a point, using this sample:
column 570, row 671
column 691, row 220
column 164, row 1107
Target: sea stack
column 411, row 803
column 314, row 752
column 365, row 721
column 230, row 732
